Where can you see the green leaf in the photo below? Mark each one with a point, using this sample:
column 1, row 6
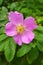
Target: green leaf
column 2, row 44
column 3, row 14
column 39, row 19
column 1, row 2
column 26, row 11
column 23, row 50
column 40, row 45
column 1, row 29
column 41, row 1
column 39, row 28
column 4, row 10
column 10, row 48
column 33, row 44
column 2, row 41
column 39, row 41
column 32, row 55
column 38, row 36
column 2, row 37
column 13, row 6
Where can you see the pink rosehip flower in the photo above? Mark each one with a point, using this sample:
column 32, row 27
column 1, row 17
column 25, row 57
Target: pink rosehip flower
column 20, row 29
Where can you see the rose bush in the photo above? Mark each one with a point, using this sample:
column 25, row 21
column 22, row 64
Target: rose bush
column 21, row 44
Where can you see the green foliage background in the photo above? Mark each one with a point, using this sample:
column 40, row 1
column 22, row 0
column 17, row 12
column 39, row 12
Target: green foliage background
column 10, row 53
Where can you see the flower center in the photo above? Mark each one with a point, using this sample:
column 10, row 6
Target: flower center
column 20, row 29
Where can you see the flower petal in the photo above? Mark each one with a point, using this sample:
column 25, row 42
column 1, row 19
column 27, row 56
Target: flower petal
column 18, row 40
column 27, row 37
column 15, row 17
column 30, row 24
column 10, row 29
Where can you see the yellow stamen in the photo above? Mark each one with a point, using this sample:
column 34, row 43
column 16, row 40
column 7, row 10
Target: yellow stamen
column 20, row 29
